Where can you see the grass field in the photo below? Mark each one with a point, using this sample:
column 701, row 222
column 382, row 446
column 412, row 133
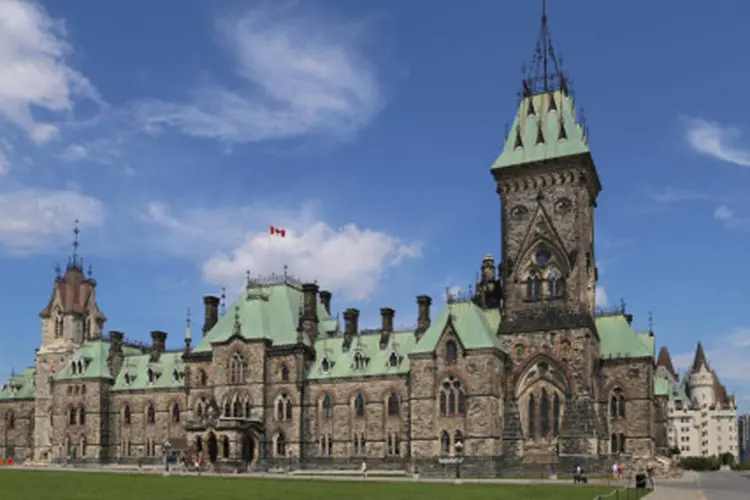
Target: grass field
column 33, row 485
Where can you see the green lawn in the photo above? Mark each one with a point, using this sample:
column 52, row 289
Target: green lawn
column 33, row 485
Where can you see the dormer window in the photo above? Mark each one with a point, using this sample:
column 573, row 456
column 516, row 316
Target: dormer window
column 359, row 361
column 393, row 360
column 176, row 376
column 325, row 365
column 87, row 327
column 151, row 376
column 81, row 367
column 128, row 379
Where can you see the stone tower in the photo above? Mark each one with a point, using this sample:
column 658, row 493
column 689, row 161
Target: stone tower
column 548, row 186
column 70, row 318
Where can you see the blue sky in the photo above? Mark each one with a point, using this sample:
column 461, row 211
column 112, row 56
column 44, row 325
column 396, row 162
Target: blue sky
column 177, row 131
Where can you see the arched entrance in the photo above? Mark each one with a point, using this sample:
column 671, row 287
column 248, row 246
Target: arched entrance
column 248, row 448
column 213, row 447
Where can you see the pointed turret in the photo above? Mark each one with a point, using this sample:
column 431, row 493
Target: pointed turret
column 700, row 360
column 546, row 125
column 665, row 361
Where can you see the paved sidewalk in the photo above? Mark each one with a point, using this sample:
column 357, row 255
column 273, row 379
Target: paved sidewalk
column 686, row 487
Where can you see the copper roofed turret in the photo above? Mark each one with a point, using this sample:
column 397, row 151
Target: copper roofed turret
column 699, row 360
column 665, row 361
column 74, row 291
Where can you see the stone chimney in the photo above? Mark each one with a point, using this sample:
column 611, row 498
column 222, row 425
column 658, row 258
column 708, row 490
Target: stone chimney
column 386, row 325
column 211, row 316
column 351, row 320
column 114, row 360
column 423, row 315
column 325, row 299
column 310, row 311
column 158, row 342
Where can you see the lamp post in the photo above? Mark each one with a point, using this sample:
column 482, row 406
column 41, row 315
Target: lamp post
column 459, row 447
column 167, row 447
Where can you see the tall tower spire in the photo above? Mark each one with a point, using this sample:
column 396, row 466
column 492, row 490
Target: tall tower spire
column 75, row 261
column 545, row 73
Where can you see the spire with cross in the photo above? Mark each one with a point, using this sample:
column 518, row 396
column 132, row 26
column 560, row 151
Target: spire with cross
column 75, row 261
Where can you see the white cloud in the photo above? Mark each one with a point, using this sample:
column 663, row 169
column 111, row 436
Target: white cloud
column 349, row 260
column 31, row 219
column 601, row 297
column 676, row 195
column 103, row 151
column 298, row 77
column 33, row 68
column 727, row 354
column 730, row 219
column 715, row 140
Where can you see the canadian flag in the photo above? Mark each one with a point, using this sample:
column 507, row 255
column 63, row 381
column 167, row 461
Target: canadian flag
column 277, row 231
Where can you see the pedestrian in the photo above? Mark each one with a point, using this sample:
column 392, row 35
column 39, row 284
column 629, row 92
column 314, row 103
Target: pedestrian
column 615, row 470
column 363, row 469
column 620, row 470
column 576, row 474
column 650, row 475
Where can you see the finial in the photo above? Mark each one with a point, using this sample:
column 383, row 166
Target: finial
column 188, row 331
column 75, row 262
column 223, row 300
column 622, row 306
column 286, row 273
column 90, row 271
column 247, row 279
column 545, row 72
column 651, row 322
column 58, row 271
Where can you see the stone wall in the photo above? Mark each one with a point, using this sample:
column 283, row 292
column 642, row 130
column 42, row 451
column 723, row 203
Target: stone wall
column 16, row 429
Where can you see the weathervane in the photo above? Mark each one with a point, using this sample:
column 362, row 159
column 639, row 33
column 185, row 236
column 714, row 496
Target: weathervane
column 75, row 261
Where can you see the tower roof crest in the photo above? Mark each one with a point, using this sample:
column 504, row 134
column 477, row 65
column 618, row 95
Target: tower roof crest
column 546, row 125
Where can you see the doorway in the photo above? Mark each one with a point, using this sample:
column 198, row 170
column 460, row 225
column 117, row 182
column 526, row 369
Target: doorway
column 213, row 447
column 248, row 448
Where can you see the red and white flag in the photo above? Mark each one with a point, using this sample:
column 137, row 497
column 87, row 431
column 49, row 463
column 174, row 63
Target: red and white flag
column 277, row 231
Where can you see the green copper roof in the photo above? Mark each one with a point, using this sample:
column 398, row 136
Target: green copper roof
column 545, row 127
column 266, row 312
column 471, row 324
column 619, row 340
column 333, row 362
column 88, row 361
column 139, row 372
column 661, row 386
column 19, row 386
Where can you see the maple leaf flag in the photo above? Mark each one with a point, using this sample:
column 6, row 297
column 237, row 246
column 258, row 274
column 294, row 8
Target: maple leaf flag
column 277, row 231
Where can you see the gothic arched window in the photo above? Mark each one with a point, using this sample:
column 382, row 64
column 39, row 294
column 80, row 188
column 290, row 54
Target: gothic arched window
column 533, row 286
column 532, row 417
column 72, row 416
column 544, row 414
column 237, row 369
column 359, row 405
column 126, row 415
column 451, row 352
column 237, row 408
column 617, row 404
column 280, row 445
column 393, row 404
column 203, row 378
column 452, row 398
column 225, row 447
column 81, row 415
column 284, row 373
column 284, row 407
column 58, row 324
column 150, row 414
column 327, row 406
column 555, row 285
column 175, row 413
column 555, row 415
column 10, row 420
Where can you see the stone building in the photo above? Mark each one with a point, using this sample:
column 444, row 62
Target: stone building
column 701, row 414
column 522, row 373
